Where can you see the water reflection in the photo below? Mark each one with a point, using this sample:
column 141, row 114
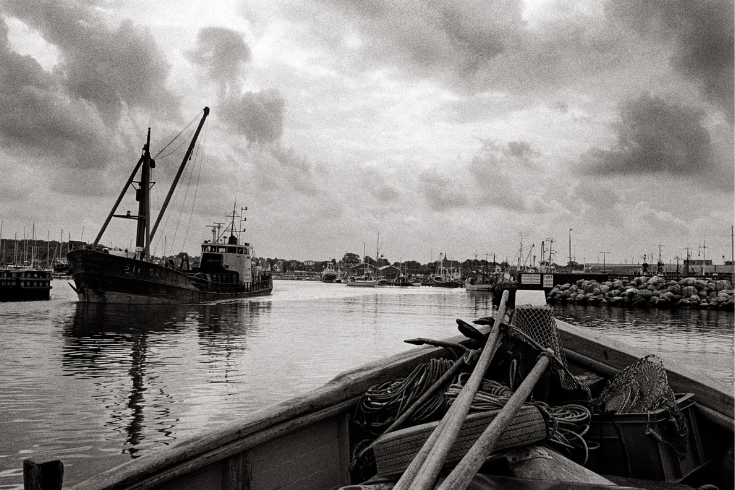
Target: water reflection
column 139, row 358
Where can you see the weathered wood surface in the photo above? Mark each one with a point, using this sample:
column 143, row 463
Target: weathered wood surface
column 466, row 469
column 537, row 463
column 423, row 471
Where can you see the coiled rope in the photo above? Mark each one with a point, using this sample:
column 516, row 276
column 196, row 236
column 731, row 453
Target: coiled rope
column 380, row 405
column 568, row 424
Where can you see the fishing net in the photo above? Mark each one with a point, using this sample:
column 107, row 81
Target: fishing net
column 643, row 387
column 537, row 327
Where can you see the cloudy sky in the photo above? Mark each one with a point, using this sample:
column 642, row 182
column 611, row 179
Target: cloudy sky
column 445, row 126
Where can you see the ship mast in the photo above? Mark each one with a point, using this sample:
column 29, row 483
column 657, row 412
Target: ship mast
column 142, row 242
column 144, row 233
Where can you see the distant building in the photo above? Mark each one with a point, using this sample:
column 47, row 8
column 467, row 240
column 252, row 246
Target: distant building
column 389, row 272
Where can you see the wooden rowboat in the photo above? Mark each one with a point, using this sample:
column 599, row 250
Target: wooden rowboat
column 307, row 442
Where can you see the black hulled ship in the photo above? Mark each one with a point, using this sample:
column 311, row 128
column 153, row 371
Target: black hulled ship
column 226, row 270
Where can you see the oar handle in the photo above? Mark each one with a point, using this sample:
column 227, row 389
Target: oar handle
column 466, row 469
column 421, row 474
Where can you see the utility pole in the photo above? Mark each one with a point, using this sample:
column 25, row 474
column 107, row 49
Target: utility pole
column 570, row 250
column 704, row 254
column 551, row 253
column 604, row 255
column 659, row 264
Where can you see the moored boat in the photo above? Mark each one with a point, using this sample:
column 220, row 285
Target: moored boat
column 25, row 284
column 366, row 281
column 478, row 283
column 329, row 274
column 445, row 277
column 227, row 269
column 311, row 441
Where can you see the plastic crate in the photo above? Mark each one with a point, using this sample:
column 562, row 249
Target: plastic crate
column 631, row 446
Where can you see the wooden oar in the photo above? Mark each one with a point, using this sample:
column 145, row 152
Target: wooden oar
column 426, row 465
column 466, row 469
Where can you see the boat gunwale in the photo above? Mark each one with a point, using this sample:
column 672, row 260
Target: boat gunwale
column 341, row 392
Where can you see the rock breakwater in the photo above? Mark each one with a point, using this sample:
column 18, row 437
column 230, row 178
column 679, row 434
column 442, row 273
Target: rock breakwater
column 655, row 291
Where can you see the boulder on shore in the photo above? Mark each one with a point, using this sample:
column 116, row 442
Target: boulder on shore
column 688, row 292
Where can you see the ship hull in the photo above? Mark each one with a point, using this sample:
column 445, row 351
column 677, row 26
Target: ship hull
column 104, row 278
column 20, row 284
column 329, row 277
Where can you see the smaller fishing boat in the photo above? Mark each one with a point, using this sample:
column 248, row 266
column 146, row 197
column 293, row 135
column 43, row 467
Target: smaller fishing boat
column 481, row 281
column 329, row 274
column 25, row 284
column 445, row 277
column 403, row 281
column 365, row 281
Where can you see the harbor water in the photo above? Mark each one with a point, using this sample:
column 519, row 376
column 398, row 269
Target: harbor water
column 97, row 385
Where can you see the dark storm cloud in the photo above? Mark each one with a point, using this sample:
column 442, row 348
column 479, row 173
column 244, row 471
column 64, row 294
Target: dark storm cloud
column 442, row 193
column 474, row 46
column 703, row 33
column 107, row 66
column 655, row 136
column 222, row 53
column 257, row 115
column 41, row 120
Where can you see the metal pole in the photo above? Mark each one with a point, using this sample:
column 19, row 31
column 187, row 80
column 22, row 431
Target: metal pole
column 117, row 203
column 570, row 250
column 178, row 174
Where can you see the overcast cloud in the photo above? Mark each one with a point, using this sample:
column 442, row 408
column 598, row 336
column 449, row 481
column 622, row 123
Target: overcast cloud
column 453, row 126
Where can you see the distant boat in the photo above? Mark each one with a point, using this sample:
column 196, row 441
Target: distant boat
column 329, row 274
column 24, row 284
column 445, row 277
column 481, row 281
column 366, row 281
column 227, row 269
column 478, row 283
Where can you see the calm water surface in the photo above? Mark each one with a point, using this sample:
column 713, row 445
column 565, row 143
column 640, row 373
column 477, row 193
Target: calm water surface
column 98, row 385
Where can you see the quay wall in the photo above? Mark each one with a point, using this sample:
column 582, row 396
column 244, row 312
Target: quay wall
column 689, row 292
